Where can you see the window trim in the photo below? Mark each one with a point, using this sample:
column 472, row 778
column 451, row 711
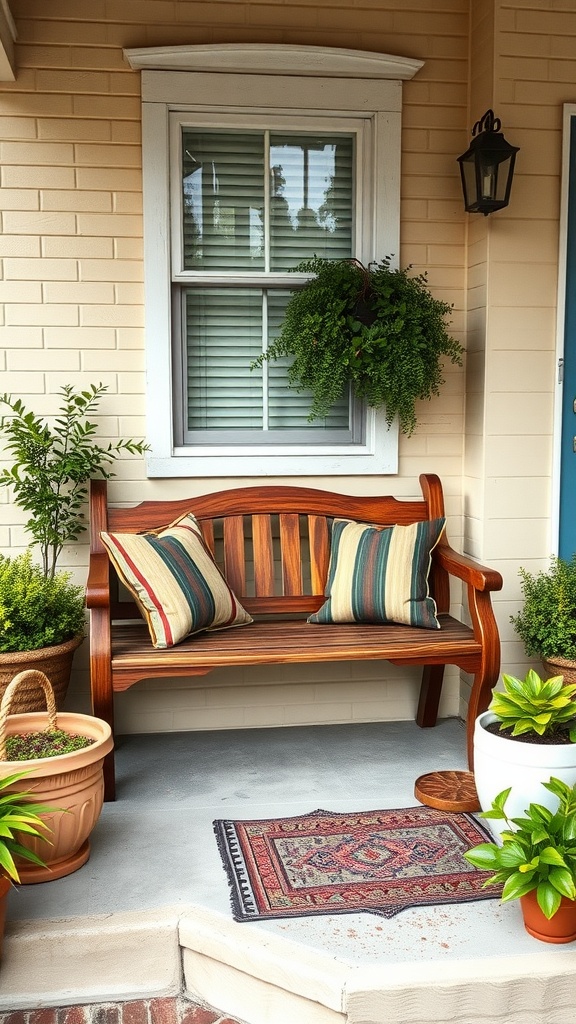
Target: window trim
column 357, row 83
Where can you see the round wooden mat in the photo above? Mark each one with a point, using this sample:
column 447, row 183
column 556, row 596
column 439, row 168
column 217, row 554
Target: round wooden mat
column 447, row 791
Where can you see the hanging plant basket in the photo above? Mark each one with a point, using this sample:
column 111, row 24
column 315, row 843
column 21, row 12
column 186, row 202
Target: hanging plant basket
column 375, row 328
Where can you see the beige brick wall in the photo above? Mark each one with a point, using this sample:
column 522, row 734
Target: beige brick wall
column 524, row 67
column 71, row 272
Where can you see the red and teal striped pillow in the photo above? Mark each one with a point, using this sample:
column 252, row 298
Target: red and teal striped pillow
column 381, row 575
column 175, row 581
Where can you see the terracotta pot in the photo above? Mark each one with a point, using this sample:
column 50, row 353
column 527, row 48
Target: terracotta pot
column 73, row 783
column 560, row 928
column 500, row 762
column 5, row 886
column 54, row 662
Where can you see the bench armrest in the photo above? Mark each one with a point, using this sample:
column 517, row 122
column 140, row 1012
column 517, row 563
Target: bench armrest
column 98, row 584
column 480, row 577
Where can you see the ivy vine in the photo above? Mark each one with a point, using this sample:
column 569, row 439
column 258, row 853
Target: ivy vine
column 374, row 327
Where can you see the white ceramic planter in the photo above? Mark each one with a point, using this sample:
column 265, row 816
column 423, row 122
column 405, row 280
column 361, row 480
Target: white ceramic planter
column 500, row 762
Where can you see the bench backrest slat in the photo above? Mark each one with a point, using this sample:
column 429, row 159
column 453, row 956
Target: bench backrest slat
column 271, row 542
column 291, row 553
column 234, row 558
column 263, row 556
column 319, row 552
column 208, row 534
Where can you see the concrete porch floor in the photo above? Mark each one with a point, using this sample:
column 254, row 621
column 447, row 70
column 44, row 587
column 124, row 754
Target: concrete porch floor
column 149, row 914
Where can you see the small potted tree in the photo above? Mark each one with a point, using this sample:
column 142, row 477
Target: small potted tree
column 527, row 734
column 375, row 328
column 41, row 610
column 536, row 861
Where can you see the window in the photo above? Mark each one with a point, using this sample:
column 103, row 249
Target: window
column 246, row 175
column 252, row 204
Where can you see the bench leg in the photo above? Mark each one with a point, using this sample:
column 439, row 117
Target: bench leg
column 430, row 691
column 102, row 694
column 480, row 697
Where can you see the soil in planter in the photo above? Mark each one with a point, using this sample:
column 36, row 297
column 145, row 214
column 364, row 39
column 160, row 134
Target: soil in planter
column 557, row 737
column 49, row 743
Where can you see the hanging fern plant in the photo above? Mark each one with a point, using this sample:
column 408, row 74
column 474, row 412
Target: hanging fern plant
column 376, row 328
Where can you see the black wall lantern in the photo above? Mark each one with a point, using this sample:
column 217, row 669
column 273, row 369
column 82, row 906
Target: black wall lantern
column 487, row 167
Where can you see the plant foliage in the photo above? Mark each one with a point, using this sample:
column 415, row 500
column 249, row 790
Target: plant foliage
column 18, row 816
column 392, row 360
column 535, row 705
column 53, row 464
column 37, row 610
column 538, row 851
column 546, row 624
column 29, row 746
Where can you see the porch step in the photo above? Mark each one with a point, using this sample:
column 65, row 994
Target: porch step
column 260, row 977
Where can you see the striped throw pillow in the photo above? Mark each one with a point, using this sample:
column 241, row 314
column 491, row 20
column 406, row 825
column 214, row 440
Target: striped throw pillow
column 380, row 575
column 175, row 581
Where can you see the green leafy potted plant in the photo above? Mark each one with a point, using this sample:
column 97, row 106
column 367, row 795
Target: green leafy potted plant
column 546, row 623
column 41, row 610
column 63, row 755
column 536, row 861
column 527, row 734
column 375, row 328
column 18, row 818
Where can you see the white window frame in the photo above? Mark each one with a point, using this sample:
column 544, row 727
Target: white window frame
column 286, row 81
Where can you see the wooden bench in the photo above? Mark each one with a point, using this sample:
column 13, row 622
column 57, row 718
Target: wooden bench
column 272, row 543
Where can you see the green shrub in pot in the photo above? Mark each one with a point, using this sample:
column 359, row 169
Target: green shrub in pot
column 36, row 610
column 546, row 623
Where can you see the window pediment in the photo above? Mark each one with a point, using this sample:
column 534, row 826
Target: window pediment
column 275, row 59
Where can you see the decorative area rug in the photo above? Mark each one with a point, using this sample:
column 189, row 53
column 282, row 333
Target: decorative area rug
column 327, row 863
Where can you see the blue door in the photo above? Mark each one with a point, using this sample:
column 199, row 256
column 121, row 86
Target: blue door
column 567, row 504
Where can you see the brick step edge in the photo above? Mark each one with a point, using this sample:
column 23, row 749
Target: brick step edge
column 173, row 1010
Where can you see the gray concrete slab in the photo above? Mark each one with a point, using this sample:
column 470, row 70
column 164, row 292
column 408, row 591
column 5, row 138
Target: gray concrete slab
column 154, row 847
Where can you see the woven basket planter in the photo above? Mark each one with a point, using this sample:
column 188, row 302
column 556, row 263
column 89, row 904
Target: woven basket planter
column 71, row 783
column 561, row 667
column 54, row 662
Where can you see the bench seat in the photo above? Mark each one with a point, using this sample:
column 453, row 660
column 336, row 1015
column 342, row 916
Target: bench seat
column 273, row 545
column 289, row 643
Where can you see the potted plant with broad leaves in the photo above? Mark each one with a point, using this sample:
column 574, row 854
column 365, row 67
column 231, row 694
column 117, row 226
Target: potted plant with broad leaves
column 376, row 329
column 19, row 819
column 41, row 610
column 546, row 623
column 536, row 861
column 62, row 754
column 527, row 735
